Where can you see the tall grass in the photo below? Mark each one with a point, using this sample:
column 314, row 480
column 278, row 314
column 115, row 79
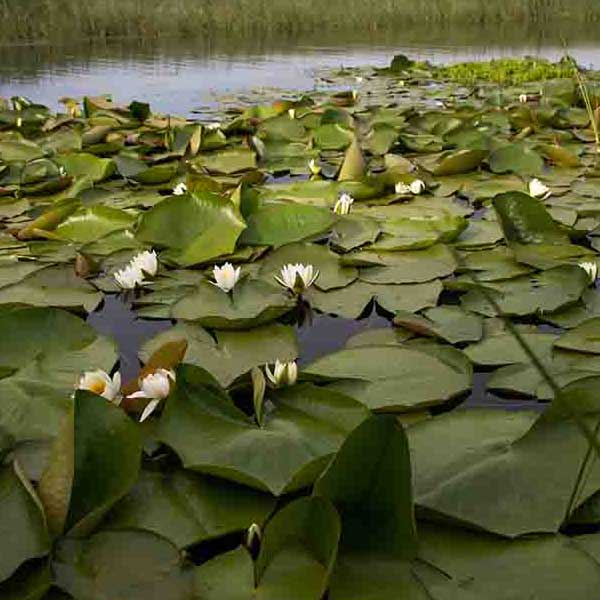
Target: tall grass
column 40, row 20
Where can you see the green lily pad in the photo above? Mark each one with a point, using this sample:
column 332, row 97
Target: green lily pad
column 122, row 565
column 94, row 462
column 351, row 301
column 416, row 266
column 45, row 350
column 22, row 525
column 545, row 292
column 331, row 272
column 516, row 158
column 461, row 161
column 307, row 427
column 187, row 508
column 250, row 303
column 228, row 354
column 583, row 338
column 399, row 379
column 298, row 551
column 280, row 224
column 194, row 228
column 91, row 224
column 537, row 470
column 56, row 286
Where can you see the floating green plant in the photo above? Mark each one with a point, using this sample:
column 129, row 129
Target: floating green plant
column 231, row 465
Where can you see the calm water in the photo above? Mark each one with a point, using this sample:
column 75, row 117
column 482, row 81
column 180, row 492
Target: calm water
column 179, row 77
column 184, row 77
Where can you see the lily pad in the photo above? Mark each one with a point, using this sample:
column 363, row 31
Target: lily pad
column 187, row 508
column 194, row 228
column 229, row 354
column 399, row 379
column 286, row 453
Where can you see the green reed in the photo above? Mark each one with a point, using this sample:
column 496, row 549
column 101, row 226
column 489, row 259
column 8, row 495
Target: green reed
column 40, row 20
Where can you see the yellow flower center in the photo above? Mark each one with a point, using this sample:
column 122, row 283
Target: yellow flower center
column 98, row 387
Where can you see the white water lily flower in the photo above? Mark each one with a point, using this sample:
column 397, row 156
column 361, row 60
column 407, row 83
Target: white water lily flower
column 591, row 268
column 402, row 189
column 100, row 383
column 226, row 276
column 523, row 98
column 283, row 373
column 155, row 387
column 213, row 126
column 297, row 278
column 129, row 277
column 147, row 262
column 538, row 190
column 354, row 95
column 314, row 167
column 417, row 187
column 180, row 190
column 359, row 79
column 343, row 205
column 292, row 113
column 62, row 172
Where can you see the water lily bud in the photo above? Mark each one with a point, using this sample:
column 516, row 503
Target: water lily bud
column 180, row 190
column 99, row 382
column 292, row 113
column 538, row 190
column 147, row 262
column 283, row 374
column 591, row 268
column 129, row 277
column 343, row 205
column 226, row 276
column 314, row 167
column 253, row 539
column 297, row 278
column 19, row 121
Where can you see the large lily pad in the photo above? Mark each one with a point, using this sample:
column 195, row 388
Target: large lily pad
column 352, row 300
column 251, row 303
column 545, row 292
column 94, row 463
column 194, row 228
column 187, row 508
column 122, row 565
column 44, row 351
column 22, row 525
column 286, row 453
column 397, row 379
column 280, row 224
column 535, row 469
column 228, row 354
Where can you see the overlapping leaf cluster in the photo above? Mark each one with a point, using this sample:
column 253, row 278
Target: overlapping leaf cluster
column 331, row 470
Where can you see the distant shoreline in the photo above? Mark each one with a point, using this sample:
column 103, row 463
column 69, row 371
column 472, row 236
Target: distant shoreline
column 39, row 21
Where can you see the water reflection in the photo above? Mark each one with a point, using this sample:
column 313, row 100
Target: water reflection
column 115, row 319
column 181, row 75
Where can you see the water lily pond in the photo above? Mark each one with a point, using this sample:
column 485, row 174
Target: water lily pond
column 341, row 344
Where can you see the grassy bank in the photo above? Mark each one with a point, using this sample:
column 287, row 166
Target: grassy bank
column 39, row 20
